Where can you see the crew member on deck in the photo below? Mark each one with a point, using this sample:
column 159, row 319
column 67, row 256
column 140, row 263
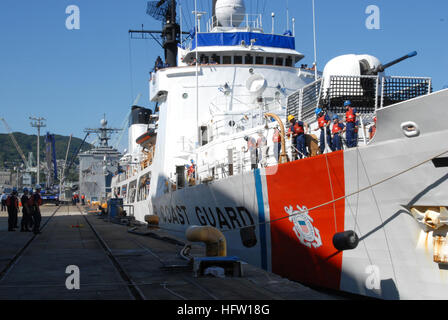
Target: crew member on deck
column 276, row 139
column 324, row 122
column 297, row 129
column 252, row 148
column 372, row 129
column 350, row 119
column 262, row 149
column 158, row 64
column 337, row 131
column 191, row 173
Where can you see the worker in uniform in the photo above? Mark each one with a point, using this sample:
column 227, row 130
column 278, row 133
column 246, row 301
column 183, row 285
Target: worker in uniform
column 3, row 200
column 372, row 129
column 324, row 123
column 34, row 203
column 337, row 130
column 12, row 203
column 350, row 119
column 83, row 199
column 191, row 172
column 262, row 148
column 26, row 212
column 158, row 64
column 297, row 129
column 252, row 148
column 277, row 140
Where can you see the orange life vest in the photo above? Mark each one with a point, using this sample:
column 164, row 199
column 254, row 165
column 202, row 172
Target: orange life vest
column 372, row 133
column 276, row 138
column 336, row 128
column 350, row 115
column 298, row 129
column 12, row 201
column 322, row 122
column 35, row 200
column 191, row 171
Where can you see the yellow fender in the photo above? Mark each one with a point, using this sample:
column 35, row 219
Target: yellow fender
column 153, row 220
column 215, row 241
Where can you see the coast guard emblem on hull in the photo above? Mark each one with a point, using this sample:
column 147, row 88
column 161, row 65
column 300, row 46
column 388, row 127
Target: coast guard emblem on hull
column 303, row 227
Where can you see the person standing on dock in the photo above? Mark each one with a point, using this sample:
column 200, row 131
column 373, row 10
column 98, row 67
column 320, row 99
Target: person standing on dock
column 34, row 203
column 26, row 213
column 12, row 202
column 3, row 200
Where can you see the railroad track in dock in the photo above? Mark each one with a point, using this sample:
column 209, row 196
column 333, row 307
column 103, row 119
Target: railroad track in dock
column 12, row 263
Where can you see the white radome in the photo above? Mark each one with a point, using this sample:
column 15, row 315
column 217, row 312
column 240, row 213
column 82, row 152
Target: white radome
column 348, row 65
column 230, row 13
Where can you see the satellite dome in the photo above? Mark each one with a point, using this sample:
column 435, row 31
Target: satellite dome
column 103, row 122
column 230, row 13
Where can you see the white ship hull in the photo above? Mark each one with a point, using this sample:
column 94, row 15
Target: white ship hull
column 369, row 189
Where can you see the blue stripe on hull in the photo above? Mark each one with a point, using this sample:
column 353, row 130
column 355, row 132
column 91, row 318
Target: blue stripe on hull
column 261, row 218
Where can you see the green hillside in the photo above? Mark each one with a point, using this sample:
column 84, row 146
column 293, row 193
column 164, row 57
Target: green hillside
column 9, row 157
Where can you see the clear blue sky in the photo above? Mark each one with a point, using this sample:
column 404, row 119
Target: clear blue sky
column 73, row 77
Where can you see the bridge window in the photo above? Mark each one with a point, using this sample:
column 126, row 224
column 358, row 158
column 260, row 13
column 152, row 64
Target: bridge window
column 237, row 59
column 204, row 59
column 215, row 59
column 288, row 62
column 226, row 60
column 279, row 61
column 270, row 61
column 259, row 60
column 249, row 59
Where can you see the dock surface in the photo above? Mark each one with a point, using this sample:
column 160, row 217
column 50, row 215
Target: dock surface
column 115, row 264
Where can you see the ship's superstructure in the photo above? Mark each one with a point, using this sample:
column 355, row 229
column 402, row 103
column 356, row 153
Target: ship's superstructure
column 98, row 165
column 370, row 220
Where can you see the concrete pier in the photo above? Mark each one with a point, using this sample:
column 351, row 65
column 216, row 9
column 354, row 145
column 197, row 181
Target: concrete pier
column 154, row 266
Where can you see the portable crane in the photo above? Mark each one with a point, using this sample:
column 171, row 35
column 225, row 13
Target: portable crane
column 14, row 141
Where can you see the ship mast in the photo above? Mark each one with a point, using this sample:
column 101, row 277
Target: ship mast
column 165, row 11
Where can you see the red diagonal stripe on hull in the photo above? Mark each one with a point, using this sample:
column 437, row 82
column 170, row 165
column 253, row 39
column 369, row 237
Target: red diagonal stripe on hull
column 306, row 183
